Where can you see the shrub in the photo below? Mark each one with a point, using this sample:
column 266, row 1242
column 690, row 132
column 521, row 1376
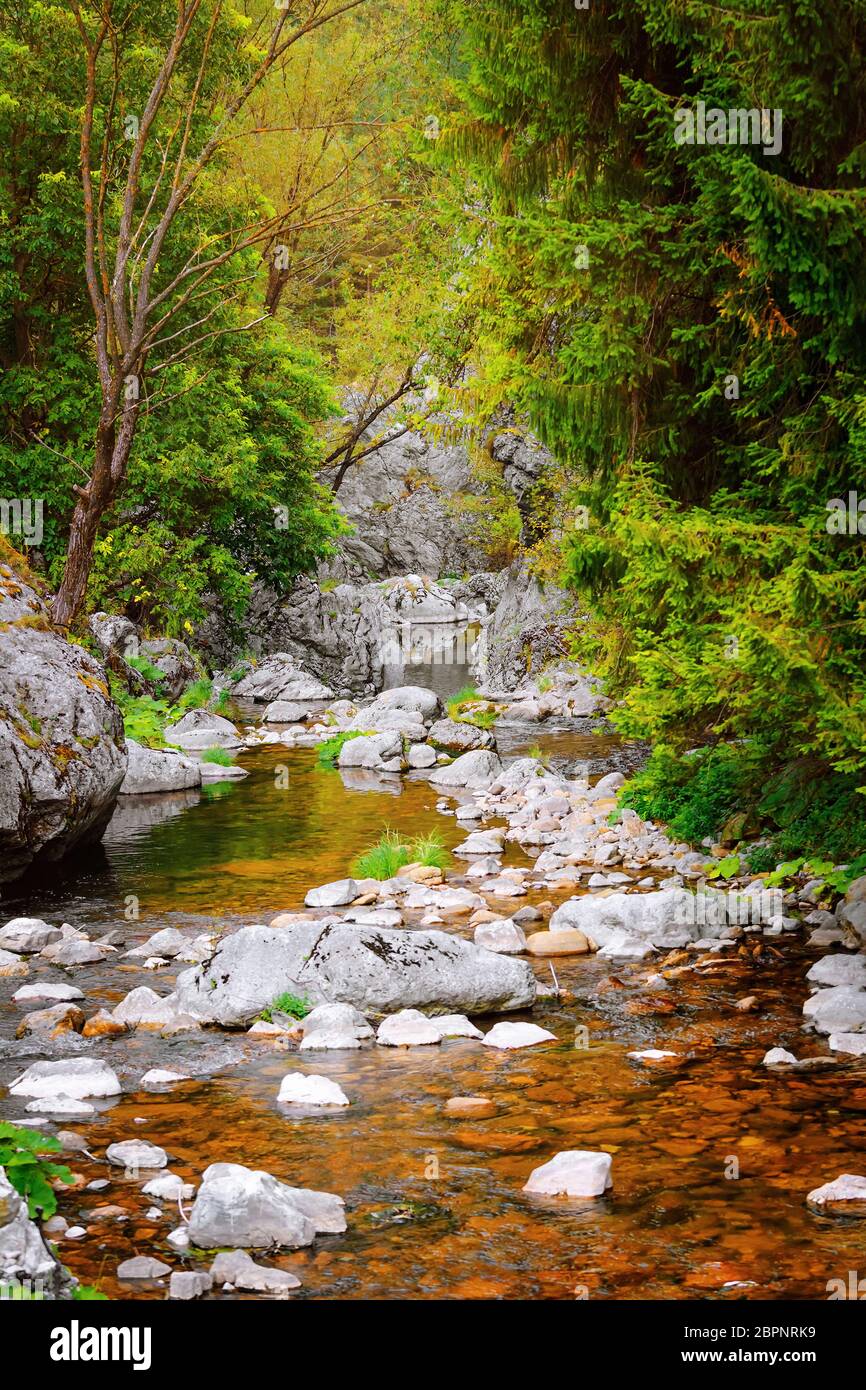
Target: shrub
column 220, row 756
column 392, row 853
column 291, row 1004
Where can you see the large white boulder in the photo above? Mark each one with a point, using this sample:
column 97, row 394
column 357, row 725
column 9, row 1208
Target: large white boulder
column 416, row 699
column 377, row 751
column 302, row 1088
column 240, row 1207
column 201, row 728
column 839, row 1009
column 73, row 1077
column 27, row 935
column 376, row 969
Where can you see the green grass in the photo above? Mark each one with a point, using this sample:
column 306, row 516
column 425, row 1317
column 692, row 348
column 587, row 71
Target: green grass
column 220, row 756
column 329, row 751
column 291, row 1004
column 480, row 718
column 392, row 852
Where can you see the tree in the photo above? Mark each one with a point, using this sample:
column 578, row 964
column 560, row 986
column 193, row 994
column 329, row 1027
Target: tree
column 684, row 324
column 162, row 94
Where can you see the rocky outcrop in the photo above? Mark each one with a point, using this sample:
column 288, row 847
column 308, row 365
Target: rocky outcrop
column 158, row 770
column 377, row 970
column 527, row 630
column 62, row 755
column 25, row 1259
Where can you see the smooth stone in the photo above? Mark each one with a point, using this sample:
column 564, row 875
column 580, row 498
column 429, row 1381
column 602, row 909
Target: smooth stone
column 237, row 1268
column 73, row 1078
column 157, row 1077
column 169, row 1188
column 27, row 935
column 845, row 1195
column 187, row 1284
column 142, row 1267
column 338, row 894
column 650, row 1054
column 300, row 1089
column 62, row 994
column 60, row 1105
column 136, row 1153
column 455, row 1026
column 853, row 1043
column 507, row 1036
column 471, row 1108
column 573, row 1173
column 839, row 970
column 238, row 1207
column 557, row 943
column 839, row 1009
column 408, row 1028
column 504, row 938
column 777, row 1056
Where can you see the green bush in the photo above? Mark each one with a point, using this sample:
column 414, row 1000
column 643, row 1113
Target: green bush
column 291, row 1004
column 392, row 853
column 218, row 756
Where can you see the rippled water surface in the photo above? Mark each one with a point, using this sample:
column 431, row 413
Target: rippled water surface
column 434, row 1204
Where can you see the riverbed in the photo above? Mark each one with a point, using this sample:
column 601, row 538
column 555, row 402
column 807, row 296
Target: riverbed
column 712, row 1153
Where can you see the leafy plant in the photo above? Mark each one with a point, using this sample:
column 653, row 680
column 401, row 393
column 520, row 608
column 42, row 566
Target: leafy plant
column 220, row 756
column 30, row 1174
column 291, row 1004
column 392, row 853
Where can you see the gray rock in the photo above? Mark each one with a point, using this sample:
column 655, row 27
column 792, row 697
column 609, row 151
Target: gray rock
column 377, row 751
column 64, row 994
column 664, row 918
column 421, row 755
column 24, row 1256
column 73, row 1077
column 840, row 1009
column 72, row 951
column 839, row 970
column 62, row 756
column 188, row 1283
column 375, row 969
column 338, row 894
column 200, row 729
column 136, row 1153
column 142, row 1267
column 285, row 712
column 157, row 770
column 237, row 1268
column 574, row 1173
column 174, row 660
column 27, row 935
column 115, row 636
column 279, row 677
column 331, row 1027
column 476, row 769
column 458, row 737
column 238, row 1207
column 505, row 938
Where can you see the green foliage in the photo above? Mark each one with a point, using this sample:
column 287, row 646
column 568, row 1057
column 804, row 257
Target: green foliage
column 30, row 1174
column 329, row 751
column 619, row 282
column 146, row 717
column 693, row 795
column 392, row 853
column 219, row 756
column 87, row 1293
column 291, row 1004
column 467, row 707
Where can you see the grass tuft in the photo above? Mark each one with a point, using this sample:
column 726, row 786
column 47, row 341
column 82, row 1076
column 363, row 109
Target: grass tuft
column 392, row 853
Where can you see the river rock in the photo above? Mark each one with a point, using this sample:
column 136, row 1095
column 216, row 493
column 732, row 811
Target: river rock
column 62, row 994
column 103, row 1025
column 75, row 951
column 846, row 1195
column 573, row 1173
column 12, row 966
column 298, row 1088
column 73, row 1077
column 331, row 1027
column 473, row 770
column 278, row 677
column 24, row 1256
column 839, row 1009
column 201, row 728
column 421, row 755
column 144, row 1008
column 504, row 938
column 624, row 945
column 237, row 1268
column 666, row 918
column 777, row 1056
column 455, row 1026
column 157, row 1076
column 839, row 970
column 509, row 1036
column 52, row 1022
column 408, row 1028
column 136, row 1153
column 557, row 943
column 285, row 712
column 27, row 935
column 169, row 1188
column 375, row 969
column 337, row 894
column 157, row 770
column 142, row 1267
column 237, row 1207
column 459, row 737
column 187, row 1284
column 481, row 842
column 61, row 1105
column 62, row 756
column 379, row 752
column 471, row 1108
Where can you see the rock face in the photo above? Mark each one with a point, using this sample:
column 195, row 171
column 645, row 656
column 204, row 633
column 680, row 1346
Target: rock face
column 240, row 1207
column 527, row 630
column 62, row 756
column 157, row 770
column 279, row 677
column 377, row 970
